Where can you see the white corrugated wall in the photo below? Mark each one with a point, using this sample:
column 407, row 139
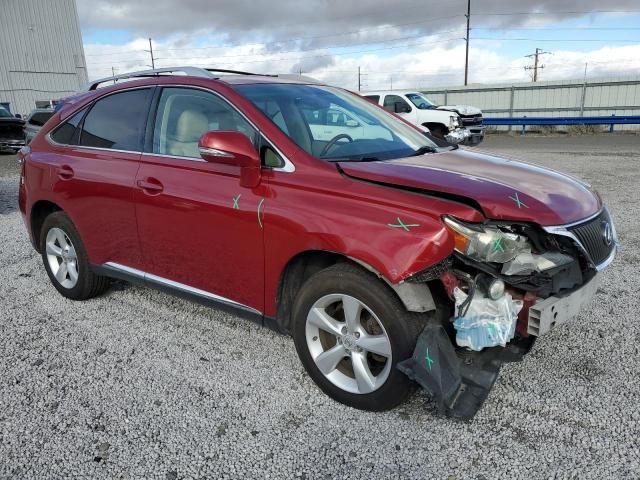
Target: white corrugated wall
column 596, row 97
column 41, row 53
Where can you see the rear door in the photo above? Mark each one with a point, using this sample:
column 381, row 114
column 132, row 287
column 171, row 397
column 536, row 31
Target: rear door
column 200, row 231
column 95, row 169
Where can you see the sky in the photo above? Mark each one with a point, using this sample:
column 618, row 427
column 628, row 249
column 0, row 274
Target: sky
column 400, row 44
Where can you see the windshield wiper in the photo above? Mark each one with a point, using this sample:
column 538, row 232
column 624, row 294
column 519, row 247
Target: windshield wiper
column 355, row 159
column 423, row 150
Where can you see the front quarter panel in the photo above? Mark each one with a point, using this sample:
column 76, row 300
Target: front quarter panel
column 395, row 232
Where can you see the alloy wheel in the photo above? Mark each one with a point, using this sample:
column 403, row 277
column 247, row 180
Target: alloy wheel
column 348, row 343
column 62, row 258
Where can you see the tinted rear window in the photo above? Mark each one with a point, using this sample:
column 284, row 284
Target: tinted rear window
column 117, row 121
column 66, row 133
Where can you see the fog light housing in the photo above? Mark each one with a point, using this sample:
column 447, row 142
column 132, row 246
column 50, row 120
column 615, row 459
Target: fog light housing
column 493, row 287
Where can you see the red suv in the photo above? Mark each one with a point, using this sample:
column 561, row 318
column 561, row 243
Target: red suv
column 388, row 255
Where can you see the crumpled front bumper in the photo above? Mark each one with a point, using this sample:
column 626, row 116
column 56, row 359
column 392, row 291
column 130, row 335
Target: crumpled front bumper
column 459, row 135
column 475, row 136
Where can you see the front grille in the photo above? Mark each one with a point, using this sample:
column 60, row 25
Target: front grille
column 592, row 236
column 471, row 120
column 11, row 132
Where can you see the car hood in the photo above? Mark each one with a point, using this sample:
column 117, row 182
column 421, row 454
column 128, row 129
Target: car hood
column 461, row 109
column 11, row 121
column 503, row 189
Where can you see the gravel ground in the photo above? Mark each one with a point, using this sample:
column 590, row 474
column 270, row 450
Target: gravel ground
column 138, row 384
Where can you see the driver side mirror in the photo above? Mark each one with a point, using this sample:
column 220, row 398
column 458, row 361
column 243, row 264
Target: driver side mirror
column 232, row 148
column 401, row 107
column 18, row 115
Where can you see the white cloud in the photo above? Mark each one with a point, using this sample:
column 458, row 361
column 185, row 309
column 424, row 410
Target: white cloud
column 434, row 64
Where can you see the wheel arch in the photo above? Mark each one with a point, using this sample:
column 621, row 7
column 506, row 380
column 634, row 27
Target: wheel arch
column 416, row 297
column 436, row 126
column 39, row 212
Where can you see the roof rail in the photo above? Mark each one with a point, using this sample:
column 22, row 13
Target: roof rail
column 191, row 71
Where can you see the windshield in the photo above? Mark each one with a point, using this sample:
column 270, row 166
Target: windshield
column 420, row 101
column 333, row 124
column 4, row 112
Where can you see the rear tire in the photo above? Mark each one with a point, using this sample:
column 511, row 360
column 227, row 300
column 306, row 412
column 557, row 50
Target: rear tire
column 65, row 259
column 350, row 332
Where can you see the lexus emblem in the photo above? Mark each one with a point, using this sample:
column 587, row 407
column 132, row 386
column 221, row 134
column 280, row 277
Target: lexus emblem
column 607, row 233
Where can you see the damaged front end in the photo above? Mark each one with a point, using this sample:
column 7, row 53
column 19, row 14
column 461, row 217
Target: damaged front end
column 507, row 284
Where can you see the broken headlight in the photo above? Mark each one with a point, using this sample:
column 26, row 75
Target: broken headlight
column 487, row 243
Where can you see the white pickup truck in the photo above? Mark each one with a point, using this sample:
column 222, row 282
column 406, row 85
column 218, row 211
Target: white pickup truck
column 456, row 124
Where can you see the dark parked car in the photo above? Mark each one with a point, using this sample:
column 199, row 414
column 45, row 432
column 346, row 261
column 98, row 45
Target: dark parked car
column 386, row 257
column 11, row 131
column 34, row 122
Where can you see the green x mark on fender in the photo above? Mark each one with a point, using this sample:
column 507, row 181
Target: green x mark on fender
column 519, row 202
column 401, row 224
column 497, row 245
column 428, row 359
column 235, row 202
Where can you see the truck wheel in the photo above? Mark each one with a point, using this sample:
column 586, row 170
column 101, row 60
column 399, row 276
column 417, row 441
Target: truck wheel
column 438, row 132
column 350, row 332
column 65, row 260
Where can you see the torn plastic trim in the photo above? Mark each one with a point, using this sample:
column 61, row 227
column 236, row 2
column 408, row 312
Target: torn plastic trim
column 458, row 387
column 459, row 381
column 416, row 297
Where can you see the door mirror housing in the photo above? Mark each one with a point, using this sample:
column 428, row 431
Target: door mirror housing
column 401, row 107
column 232, row 148
column 18, row 115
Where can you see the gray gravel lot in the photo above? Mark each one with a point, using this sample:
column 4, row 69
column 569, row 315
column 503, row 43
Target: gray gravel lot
column 138, row 384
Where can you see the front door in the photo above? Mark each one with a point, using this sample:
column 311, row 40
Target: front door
column 199, row 230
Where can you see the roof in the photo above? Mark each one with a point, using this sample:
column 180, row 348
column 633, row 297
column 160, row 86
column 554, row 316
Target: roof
column 233, row 77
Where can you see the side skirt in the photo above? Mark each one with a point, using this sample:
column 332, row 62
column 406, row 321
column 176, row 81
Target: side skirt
column 132, row 275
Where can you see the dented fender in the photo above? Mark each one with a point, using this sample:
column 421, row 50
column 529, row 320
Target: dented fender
column 395, row 232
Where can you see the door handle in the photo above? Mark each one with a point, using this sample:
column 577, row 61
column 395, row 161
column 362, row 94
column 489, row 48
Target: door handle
column 65, row 172
column 150, row 186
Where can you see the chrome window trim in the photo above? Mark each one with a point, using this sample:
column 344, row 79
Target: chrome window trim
column 563, row 230
column 90, row 104
column 289, row 167
column 177, row 157
column 149, row 277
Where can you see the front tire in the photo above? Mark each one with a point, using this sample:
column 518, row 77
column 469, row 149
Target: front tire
column 350, row 332
column 65, row 259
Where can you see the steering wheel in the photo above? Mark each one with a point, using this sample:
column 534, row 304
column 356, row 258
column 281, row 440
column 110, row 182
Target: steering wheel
column 333, row 141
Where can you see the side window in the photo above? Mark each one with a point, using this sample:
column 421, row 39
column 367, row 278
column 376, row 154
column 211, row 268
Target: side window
column 117, row 121
column 373, row 98
column 67, row 133
column 391, row 100
column 40, row 118
column 185, row 114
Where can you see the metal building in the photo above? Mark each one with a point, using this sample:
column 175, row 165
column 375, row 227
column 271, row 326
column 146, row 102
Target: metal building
column 41, row 53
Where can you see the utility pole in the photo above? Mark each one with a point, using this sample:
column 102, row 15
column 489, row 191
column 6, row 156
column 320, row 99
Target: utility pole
column 359, row 82
column 153, row 60
column 113, row 74
column 391, row 82
column 466, row 56
column 536, row 63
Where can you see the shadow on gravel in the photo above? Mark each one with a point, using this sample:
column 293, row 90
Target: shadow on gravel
column 8, row 195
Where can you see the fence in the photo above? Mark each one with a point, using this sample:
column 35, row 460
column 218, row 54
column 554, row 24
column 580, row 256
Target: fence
column 548, row 99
